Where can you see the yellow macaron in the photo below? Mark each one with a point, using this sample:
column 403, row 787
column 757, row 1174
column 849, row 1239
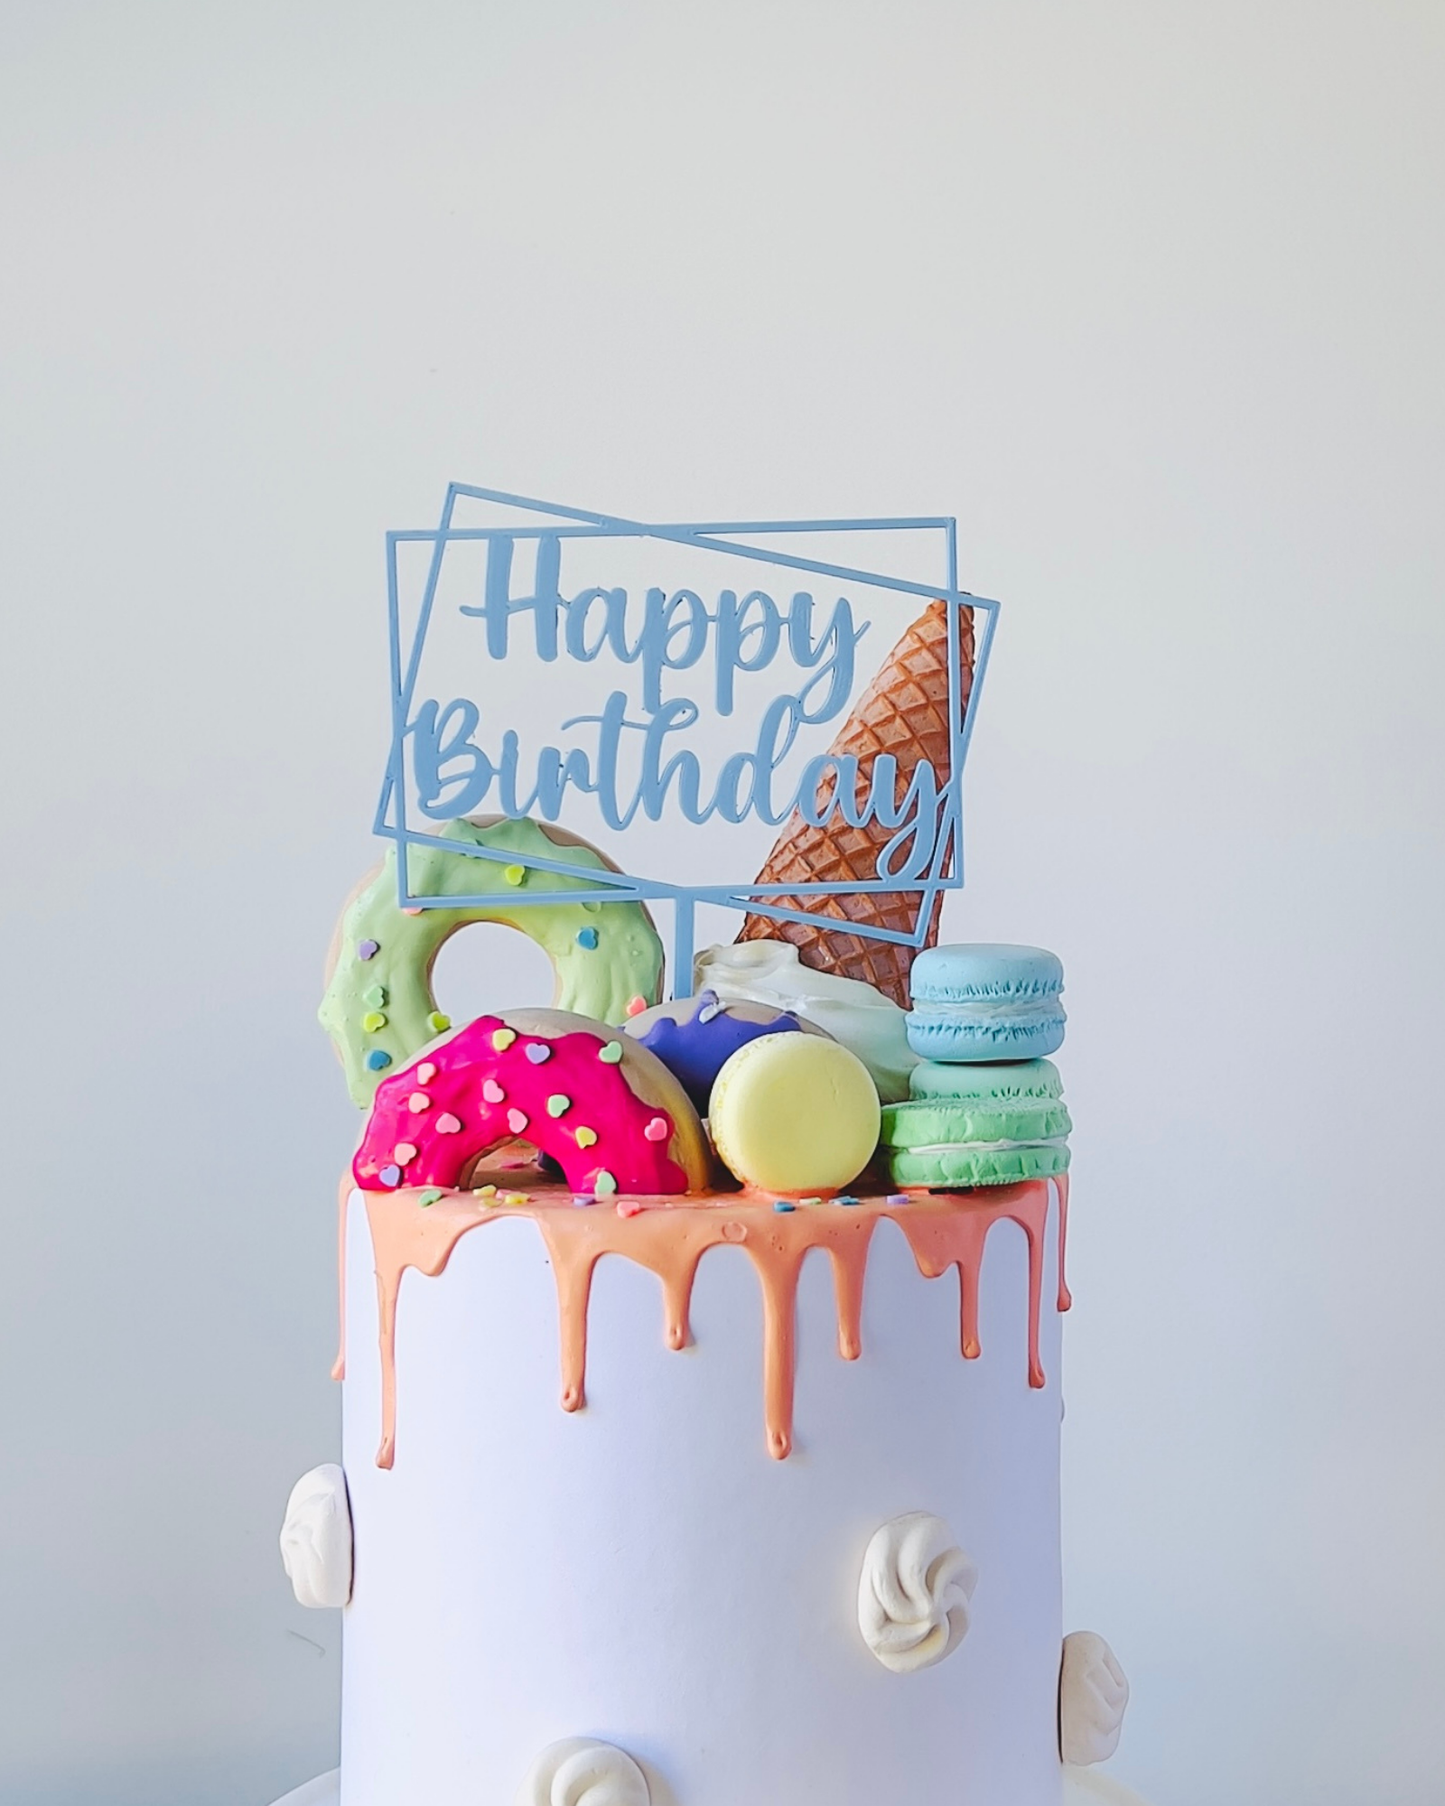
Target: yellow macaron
column 794, row 1113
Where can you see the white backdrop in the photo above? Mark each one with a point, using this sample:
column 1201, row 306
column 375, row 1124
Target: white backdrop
column 1150, row 296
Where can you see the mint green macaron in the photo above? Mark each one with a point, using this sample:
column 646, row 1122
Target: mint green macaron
column 967, row 1125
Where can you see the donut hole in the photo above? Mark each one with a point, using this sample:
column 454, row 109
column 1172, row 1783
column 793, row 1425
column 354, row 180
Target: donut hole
column 487, row 967
column 509, row 1163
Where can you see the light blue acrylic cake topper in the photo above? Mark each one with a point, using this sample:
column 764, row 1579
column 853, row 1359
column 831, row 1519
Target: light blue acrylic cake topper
column 442, row 765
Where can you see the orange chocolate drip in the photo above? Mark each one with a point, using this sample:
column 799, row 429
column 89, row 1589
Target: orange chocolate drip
column 1061, row 1185
column 669, row 1236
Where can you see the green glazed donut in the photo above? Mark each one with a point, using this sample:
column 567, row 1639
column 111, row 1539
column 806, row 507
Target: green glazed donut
column 379, row 1008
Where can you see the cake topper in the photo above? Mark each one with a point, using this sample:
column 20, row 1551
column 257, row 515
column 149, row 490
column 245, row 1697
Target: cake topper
column 557, row 662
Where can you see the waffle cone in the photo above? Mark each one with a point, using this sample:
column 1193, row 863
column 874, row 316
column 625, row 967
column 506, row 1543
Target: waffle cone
column 904, row 711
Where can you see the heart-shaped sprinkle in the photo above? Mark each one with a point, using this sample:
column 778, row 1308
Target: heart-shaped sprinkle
column 403, row 1153
column 603, row 1183
column 783, row 1207
column 636, row 1005
column 610, row 1053
column 390, row 1175
column 367, row 949
column 587, row 937
column 709, row 1012
column 447, row 1124
column 485, row 1191
column 514, row 874
column 375, row 995
column 493, row 1092
column 438, row 1023
column 417, row 1102
column 378, row 1059
column 557, row 1105
column 425, row 1073
column 538, row 1052
column 628, row 1207
column 516, row 1121
column 586, row 1138
column 412, row 911
column 658, row 1129
column 583, row 1198
column 502, row 1038
column 372, row 1021
column 429, row 1196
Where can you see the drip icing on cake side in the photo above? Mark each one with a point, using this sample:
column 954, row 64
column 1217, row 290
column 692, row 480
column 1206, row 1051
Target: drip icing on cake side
column 669, row 1238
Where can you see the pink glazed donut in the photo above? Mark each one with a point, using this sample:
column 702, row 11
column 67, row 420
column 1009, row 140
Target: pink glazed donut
column 606, row 1109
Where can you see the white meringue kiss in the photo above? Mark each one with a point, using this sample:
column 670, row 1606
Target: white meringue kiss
column 316, row 1538
column 1092, row 1696
column 914, row 1592
column 581, row 1771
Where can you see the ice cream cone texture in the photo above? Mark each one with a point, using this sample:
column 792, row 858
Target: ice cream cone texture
column 904, row 711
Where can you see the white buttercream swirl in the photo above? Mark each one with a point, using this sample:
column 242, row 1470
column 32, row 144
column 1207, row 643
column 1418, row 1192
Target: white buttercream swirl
column 582, row 1771
column 914, row 1592
column 1092, row 1696
column 316, row 1538
column 862, row 1018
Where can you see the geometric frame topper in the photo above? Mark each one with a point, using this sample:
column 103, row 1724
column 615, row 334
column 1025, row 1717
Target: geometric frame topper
column 428, row 737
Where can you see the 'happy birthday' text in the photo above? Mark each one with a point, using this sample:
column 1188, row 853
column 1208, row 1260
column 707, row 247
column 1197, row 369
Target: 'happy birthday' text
column 629, row 755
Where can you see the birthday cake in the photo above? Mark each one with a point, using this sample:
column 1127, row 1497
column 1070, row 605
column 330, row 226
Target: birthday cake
column 701, row 1330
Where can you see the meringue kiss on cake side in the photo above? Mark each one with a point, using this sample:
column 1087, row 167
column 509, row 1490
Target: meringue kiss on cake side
column 640, row 1505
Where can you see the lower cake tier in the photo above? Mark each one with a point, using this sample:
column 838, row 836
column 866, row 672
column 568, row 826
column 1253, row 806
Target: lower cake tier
column 732, row 1502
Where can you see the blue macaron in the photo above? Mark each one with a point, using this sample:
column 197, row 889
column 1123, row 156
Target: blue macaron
column 986, row 1002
